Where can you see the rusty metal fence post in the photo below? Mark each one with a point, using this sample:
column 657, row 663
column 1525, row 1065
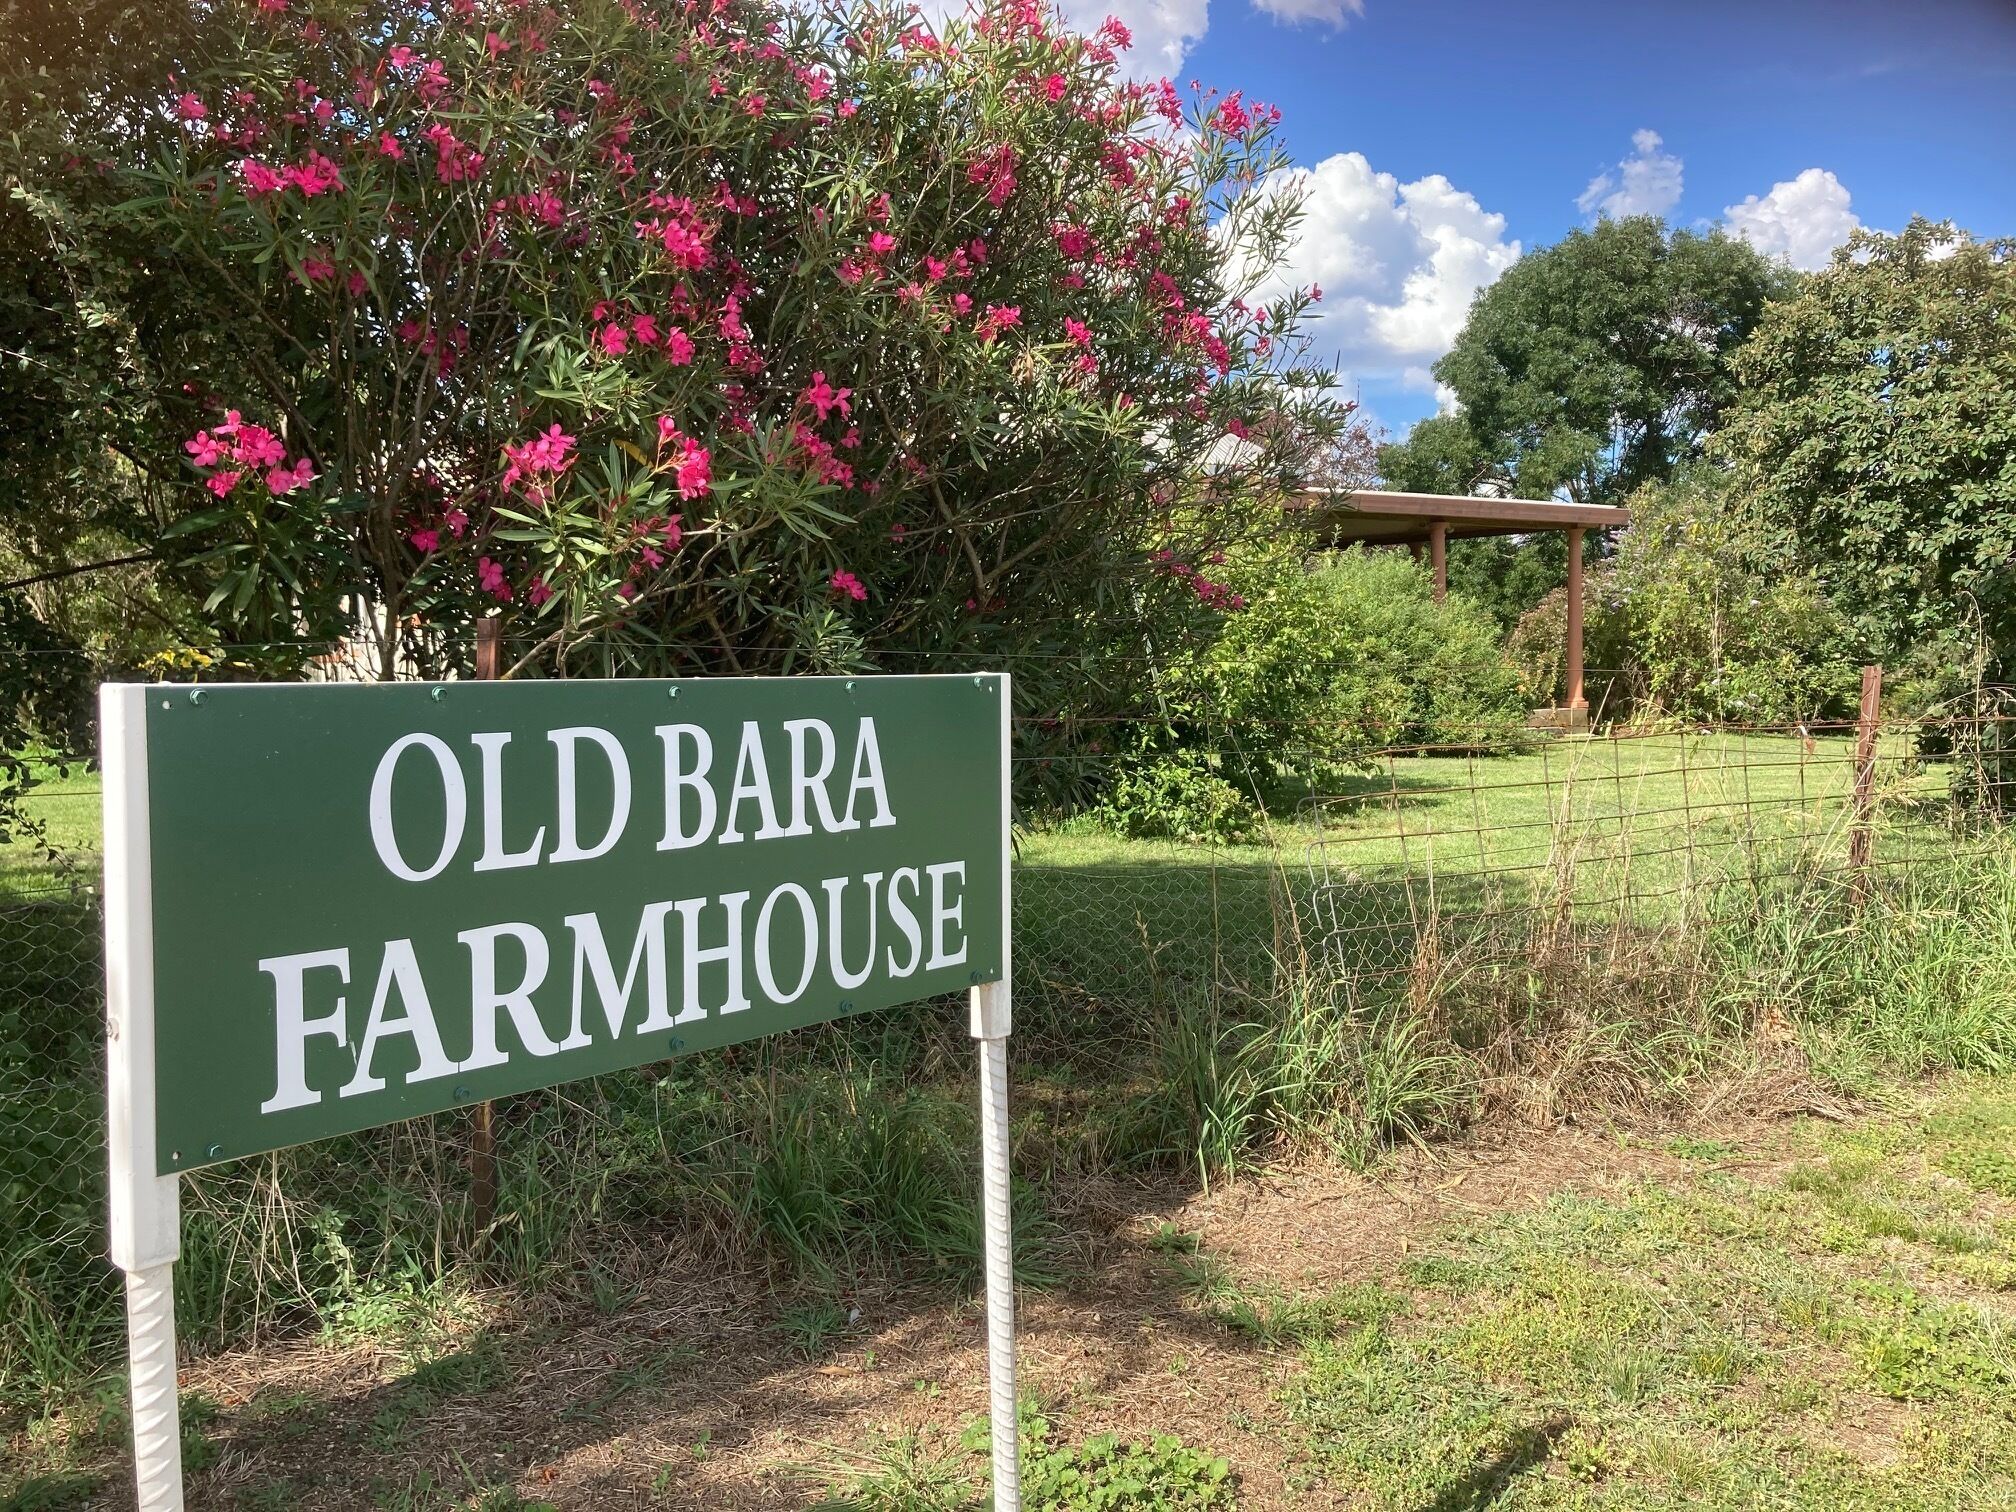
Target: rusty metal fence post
column 482, row 1130
column 1860, row 836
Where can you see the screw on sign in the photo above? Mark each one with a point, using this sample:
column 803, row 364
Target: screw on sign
column 511, row 885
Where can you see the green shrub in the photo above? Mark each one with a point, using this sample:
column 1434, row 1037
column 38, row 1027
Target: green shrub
column 1700, row 617
column 1181, row 796
column 1320, row 666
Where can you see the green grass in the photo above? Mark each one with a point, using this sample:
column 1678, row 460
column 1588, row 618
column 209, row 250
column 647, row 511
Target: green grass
column 909, row 1472
column 1177, row 1008
column 1836, row 1338
column 68, row 809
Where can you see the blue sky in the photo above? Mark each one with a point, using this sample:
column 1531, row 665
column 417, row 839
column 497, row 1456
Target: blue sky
column 1484, row 129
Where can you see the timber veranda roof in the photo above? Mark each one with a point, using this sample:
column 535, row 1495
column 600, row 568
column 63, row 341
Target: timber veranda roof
column 1343, row 517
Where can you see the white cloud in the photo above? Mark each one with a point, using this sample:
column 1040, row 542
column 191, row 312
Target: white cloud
column 1645, row 183
column 1397, row 263
column 1330, row 12
column 1801, row 220
column 1164, row 30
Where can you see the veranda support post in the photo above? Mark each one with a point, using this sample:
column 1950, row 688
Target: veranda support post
column 146, row 1209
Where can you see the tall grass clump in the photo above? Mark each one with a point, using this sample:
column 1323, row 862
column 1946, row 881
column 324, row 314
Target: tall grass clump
column 1920, row 977
column 1302, row 1068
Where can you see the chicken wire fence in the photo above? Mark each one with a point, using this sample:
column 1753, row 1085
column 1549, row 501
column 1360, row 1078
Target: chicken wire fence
column 1419, row 855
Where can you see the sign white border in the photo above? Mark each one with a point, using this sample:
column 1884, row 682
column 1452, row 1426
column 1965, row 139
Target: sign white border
column 146, row 1209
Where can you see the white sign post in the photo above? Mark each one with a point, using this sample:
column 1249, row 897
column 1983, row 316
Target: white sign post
column 146, row 1209
column 145, row 1195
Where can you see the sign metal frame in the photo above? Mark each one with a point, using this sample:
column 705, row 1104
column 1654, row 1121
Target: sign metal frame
column 145, row 1207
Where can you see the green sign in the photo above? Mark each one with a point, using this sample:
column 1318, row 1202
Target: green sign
column 373, row 902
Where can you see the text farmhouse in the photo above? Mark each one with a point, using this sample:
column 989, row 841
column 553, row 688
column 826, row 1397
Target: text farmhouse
column 487, row 803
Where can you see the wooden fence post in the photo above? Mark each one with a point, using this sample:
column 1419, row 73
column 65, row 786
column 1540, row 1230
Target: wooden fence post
column 482, row 1132
column 1859, row 835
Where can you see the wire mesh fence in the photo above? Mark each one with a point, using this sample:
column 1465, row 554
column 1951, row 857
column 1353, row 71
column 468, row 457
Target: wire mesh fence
column 1424, row 866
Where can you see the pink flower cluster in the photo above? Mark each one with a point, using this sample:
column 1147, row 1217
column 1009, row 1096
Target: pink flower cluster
column 618, row 330
column 316, row 176
column 455, row 161
column 847, row 585
column 679, row 229
column 1213, row 595
column 442, row 348
column 825, row 398
column 691, row 465
column 538, row 464
column 996, row 171
column 235, row 446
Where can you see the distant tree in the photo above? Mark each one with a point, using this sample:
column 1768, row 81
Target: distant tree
column 1440, row 455
column 1350, row 457
column 1875, row 434
column 1592, row 366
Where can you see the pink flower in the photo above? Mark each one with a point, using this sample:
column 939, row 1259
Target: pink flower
column 257, row 446
column 844, row 582
column 454, row 161
column 997, row 171
column 678, row 347
column 316, row 176
column 998, row 318
column 284, row 480
column 1230, row 117
column 189, row 108
column 679, row 230
column 205, row 450
column 388, row 146
column 222, row 483
column 1054, row 88
column 315, row 268
column 490, row 578
column 495, row 45
column 400, row 57
column 425, row 540
column 1077, row 332
column 881, row 244
column 260, row 179
column 645, row 329
column 433, row 81
column 536, row 592
column 544, row 456
column 824, row 398
column 615, row 340
column 695, row 474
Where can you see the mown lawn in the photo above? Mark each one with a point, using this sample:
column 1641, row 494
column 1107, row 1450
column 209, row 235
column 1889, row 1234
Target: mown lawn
column 1836, row 1332
column 67, row 807
column 1814, row 1317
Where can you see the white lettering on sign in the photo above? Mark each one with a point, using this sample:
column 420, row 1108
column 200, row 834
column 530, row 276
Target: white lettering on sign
column 571, row 799
column 454, row 806
column 812, row 794
column 510, row 1001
